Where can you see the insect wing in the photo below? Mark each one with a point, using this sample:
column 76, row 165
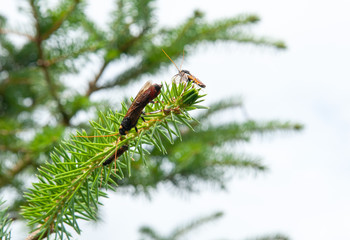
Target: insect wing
column 139, row 99
column 142, row 91
column 177, row 79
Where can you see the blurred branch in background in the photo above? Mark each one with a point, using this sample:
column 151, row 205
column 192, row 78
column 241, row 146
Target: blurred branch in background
column 271, row 237
column 148, row 233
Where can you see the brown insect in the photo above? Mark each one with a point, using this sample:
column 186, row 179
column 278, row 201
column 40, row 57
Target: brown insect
column 116, row 155
column 185, row 75
column 147, row 93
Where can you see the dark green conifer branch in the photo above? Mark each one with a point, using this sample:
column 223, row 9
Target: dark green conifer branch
column 69, row 188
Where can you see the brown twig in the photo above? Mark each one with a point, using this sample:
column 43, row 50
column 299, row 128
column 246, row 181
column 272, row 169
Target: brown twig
column 53, row 61
column 93, row 83
column 7, row 31
column 35, row 235
column 52, row 89
column 18, row 168
column 122, row 49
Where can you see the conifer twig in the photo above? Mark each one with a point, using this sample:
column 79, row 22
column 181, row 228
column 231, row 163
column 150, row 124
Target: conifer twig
column 60, row 21
column 8, row 31
column 69, row 188
column 7, row 177
column 93, row 83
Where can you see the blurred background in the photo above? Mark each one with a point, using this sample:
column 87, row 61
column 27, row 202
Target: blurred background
column 293, row 183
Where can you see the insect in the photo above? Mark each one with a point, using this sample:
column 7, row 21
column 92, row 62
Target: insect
column 185, row 75
column 117, row 154
column 147, row 93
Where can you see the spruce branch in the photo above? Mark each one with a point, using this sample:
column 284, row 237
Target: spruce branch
column 70, row 187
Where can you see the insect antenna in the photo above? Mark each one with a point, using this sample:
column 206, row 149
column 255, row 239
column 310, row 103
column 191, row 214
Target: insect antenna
column 183, row 57
column 110, row 135
column 171, row 60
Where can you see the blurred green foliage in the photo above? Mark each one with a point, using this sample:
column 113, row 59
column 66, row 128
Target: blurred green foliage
column 37, row 108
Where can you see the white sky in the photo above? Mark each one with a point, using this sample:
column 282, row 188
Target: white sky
column 305, row 195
